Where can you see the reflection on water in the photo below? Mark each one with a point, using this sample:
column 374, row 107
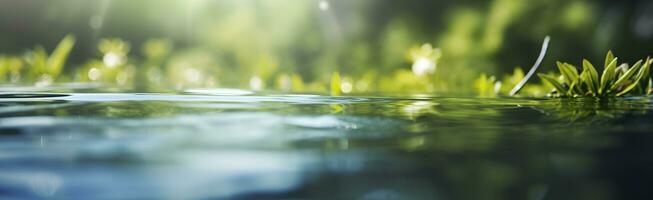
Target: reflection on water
column 219, row 143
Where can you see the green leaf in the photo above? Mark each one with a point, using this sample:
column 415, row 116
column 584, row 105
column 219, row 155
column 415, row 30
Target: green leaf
column 553, row 81
column 568, row 71
column 627, row 89
column 608, row 58
column 570, row 74
column 592, row 77
column 608, row 75
column 643, row 72
column 626, row 76
column 643, row 76
column 58, row 58
column 587, row 81
column 574, row 87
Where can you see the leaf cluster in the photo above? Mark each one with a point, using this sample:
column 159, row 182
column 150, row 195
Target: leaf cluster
column 616, row 80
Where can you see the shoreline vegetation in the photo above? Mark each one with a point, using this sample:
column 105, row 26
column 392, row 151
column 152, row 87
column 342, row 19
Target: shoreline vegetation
column 40, row 68
column 615, row 81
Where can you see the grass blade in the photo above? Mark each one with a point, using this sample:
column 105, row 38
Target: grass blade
column 587, row 81
column 608, row 59
column 58, row 58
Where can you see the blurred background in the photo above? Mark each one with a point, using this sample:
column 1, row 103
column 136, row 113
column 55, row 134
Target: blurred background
column 322, row 46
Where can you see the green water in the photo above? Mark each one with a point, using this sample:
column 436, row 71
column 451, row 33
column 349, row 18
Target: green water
column 217, row 143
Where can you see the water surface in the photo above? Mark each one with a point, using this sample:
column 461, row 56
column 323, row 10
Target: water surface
column 225, row 143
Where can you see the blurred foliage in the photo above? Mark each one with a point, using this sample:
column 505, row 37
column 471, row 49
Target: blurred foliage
column 342, row 48
column 489, row 86
column 36, row 66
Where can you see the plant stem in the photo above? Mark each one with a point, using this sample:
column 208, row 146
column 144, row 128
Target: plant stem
column 530, row 73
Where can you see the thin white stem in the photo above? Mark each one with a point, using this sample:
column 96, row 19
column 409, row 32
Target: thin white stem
column 530, row 73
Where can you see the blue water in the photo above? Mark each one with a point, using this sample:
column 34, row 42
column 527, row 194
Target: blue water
column 228, row 143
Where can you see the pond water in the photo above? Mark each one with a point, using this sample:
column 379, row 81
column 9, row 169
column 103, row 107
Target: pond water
column 226, row 143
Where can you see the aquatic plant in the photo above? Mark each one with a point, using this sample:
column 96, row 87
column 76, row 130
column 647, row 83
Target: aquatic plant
column 623, row 80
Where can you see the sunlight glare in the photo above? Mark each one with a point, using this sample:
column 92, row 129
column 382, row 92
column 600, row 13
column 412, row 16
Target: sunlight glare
column 324, row 5
column 423, row 66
